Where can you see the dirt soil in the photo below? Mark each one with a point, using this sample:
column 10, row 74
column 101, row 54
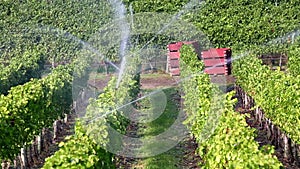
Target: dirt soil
column 157, row 81
column 67, row 130
column 165, row 81
column 153, row 81
column 149, row 82
column 99, row 84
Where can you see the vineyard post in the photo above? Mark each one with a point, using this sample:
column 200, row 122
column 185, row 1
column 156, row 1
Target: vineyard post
column 272, row 132
column 278, row 137
column 66, row 118
column 39, row 143
column 261, row 117
column 55, row 130
column 286, row 146
column 23, row 157
column 266, row 125
column 15, row 162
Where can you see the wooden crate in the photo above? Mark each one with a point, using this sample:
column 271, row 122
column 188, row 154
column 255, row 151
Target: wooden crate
column 174, row 63
column 221, row 70
column 275, row 61
column 174, row 55
column 217, row 61
column 174, row 47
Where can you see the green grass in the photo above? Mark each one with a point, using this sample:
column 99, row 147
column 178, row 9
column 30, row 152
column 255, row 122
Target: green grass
column 163, row 161
column 166, row 119
column 171, row 158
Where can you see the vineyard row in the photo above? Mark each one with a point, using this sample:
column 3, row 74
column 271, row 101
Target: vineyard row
column 275, row 92
column 275, row 135
column 89, row 146
column 222, row 134
column 20, row 70
column 30, row 107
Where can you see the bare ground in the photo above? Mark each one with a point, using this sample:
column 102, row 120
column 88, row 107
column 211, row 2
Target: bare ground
column 158, row 80
column 66, row 130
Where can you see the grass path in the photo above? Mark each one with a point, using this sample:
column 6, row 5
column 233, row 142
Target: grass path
column 176, row 157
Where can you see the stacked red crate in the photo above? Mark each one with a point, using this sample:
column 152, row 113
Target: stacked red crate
column 174, row 47
column 174, row 55
column 217, row 61
column 173, row 58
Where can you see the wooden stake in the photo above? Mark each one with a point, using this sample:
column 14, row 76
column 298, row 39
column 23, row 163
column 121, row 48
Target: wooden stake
column 55, row 128
column 66, row 119
column 39, row 143
column 23, row 157
column 286, row 153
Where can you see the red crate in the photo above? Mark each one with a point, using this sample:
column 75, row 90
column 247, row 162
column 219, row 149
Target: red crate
column 215, row 62
column 174, row 46
column 216, row 70
column 175, row 72
column 174, row 55
column 216, row 53
column 174, row 64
